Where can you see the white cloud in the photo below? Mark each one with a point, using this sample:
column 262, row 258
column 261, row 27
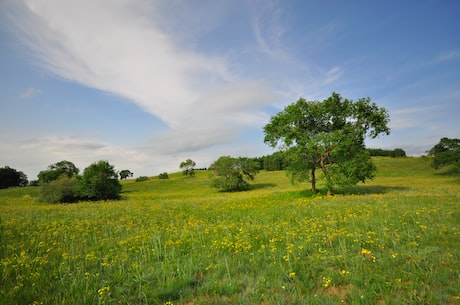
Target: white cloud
column 119, row 47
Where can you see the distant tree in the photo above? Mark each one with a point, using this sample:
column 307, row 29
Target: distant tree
column 163, row 176
column 54, row 171
column 64, row 189
column 100, row 182
column 124, row 174
column 11, row 177
column 397, row 153
column 188, row 167
column 446, row 153
column 328, row 135
column 231, row 174
column 142, row 178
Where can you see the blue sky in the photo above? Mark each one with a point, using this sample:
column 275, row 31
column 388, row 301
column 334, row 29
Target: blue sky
column 147, row 84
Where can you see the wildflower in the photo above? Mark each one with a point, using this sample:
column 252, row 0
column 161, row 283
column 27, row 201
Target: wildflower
column 292, row 275
column 365, row 252
column 326, row 281
column 344, row 272
column 169, row 303
column 103, row 290
column 394, row 255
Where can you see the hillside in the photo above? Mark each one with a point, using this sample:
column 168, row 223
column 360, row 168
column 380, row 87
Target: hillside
column 393, row 240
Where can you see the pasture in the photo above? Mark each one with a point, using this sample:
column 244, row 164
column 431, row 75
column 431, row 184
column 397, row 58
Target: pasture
column 393, row 240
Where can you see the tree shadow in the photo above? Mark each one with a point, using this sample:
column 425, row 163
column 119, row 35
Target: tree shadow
column 370, row 189
column 258, row 186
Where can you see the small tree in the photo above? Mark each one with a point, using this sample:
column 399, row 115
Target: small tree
column 124, row 174
column 188, row 167
column 100, row 182
column 163, row 176
column 231, row 174
column 54, row 171
column 446, row 153
column 328, row 135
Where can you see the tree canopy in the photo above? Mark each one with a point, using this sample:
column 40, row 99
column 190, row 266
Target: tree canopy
column 188, row 167
column 445, row 153
column 100, row 182
column 124, row 174
column 231, row 174
column 329, row 135
column 11, row 177
column 54, row 171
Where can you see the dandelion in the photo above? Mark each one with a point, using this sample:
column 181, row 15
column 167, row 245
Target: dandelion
column 292, row 275
column 326, row 281
column 344, row 272
column 103, row 290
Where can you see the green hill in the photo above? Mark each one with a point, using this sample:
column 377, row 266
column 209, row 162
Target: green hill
column 393, row 240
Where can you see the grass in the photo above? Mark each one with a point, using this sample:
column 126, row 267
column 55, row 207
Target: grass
column 393, row 240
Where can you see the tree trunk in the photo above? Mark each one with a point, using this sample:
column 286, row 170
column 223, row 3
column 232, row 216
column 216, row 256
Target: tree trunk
column 313, row 180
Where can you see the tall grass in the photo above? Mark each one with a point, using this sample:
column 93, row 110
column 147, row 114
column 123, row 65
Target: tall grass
column 394, row 240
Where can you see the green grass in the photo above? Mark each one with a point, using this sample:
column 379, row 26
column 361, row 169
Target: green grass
column 393, row 240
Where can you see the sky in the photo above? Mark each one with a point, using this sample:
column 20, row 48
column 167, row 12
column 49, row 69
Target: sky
column 147, row 84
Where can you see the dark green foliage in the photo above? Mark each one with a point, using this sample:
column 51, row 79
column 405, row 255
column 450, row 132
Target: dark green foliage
column 63, row 189
column 395, row 153
column 56, row 170
column 328, row 135
column 163, row 176
column 446, row 153
column 11, row 177
column 142, row 178
column 188, row 167
column 231, row 174
column 100, row 182
column 274, row 162
column 124, row 174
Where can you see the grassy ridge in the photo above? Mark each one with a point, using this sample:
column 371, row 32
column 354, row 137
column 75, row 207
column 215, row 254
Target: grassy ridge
column 394, row 240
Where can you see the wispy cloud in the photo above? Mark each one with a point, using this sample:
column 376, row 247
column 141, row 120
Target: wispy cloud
column 120, row 48
column 29, row 93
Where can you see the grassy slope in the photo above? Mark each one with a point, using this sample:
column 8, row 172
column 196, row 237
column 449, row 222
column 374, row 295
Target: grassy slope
column 394, row 240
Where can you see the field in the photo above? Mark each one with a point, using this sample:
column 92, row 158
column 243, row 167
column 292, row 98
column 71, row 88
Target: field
column 393, row 240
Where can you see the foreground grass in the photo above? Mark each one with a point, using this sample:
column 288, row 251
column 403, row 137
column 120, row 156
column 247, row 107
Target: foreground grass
column 395, row 240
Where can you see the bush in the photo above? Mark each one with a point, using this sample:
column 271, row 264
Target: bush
column 163, row 176
column 100, row 182
column 63, row 189
column 142, row 178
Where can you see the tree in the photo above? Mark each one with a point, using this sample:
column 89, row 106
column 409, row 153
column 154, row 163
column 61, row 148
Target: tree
column 328, row 135
column 56, row 170
column 445, row 153
column 11, row 177
column 124, row 174
column 231, row 173
column 100, row 182
column 188, row 167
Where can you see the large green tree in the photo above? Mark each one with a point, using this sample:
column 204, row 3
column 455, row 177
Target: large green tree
column 232, row 174
column 328, row 135
column 100, row 182
column 54, row 171
column 445, row 153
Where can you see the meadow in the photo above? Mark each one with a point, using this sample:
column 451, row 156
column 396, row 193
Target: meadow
column 393, row 240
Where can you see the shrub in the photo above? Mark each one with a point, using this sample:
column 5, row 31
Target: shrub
column 142, row 178
column 163, row 176
column 63, row 189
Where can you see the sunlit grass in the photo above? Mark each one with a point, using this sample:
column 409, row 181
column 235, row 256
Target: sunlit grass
column 394, row 240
